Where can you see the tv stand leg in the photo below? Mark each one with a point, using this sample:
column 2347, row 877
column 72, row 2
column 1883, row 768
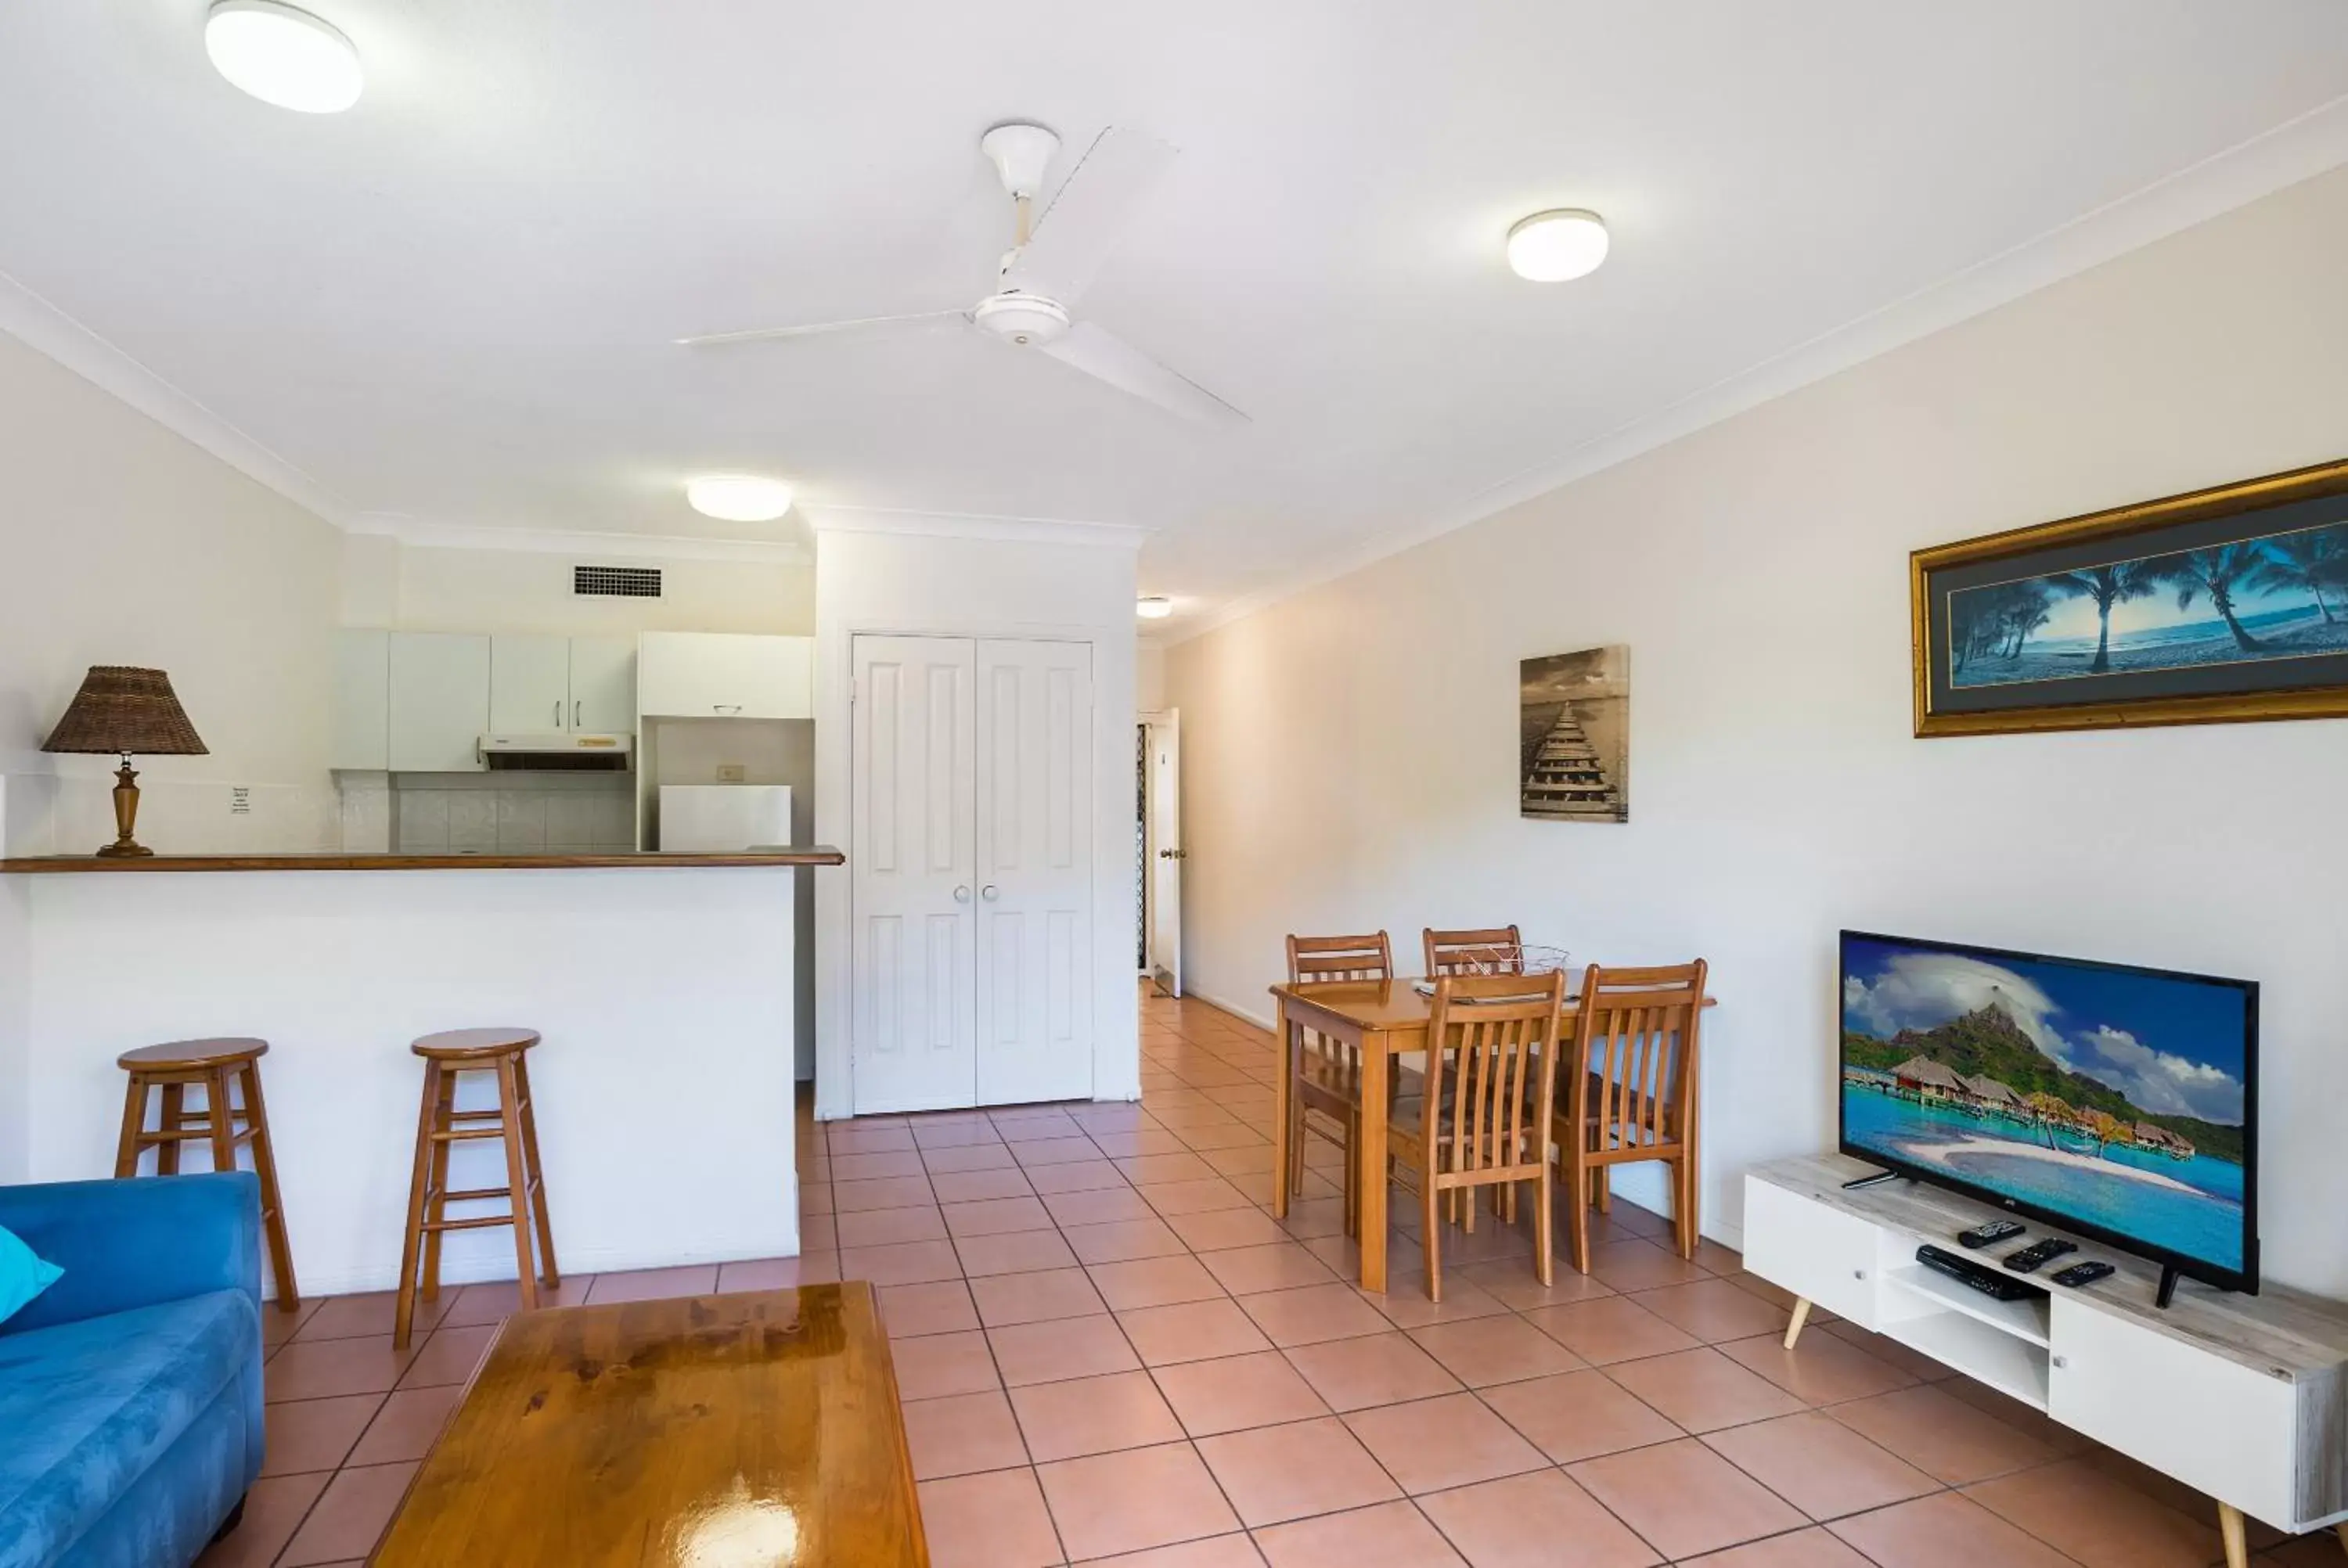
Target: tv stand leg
column 1802, row 1315
column 2237, row 1545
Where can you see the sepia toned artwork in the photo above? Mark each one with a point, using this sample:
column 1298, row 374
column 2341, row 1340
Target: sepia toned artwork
column 1574, row 736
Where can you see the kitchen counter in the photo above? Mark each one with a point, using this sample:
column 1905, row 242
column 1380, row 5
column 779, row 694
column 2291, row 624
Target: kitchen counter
column 818, row 854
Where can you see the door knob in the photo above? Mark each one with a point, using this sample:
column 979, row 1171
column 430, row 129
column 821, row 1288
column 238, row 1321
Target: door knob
column 961, row 894
column 988, row 892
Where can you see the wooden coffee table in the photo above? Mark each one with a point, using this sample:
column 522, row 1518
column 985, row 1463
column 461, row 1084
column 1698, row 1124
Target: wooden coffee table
column 753, row 1428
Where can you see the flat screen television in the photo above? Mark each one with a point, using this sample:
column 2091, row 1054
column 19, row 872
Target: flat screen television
column 2115, row 1102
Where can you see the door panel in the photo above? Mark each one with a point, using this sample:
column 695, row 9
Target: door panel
column 602, row 685
column 1166, row 853
column 529, row 685
column 1034, row 867
column 440, row 695
column 911, row 864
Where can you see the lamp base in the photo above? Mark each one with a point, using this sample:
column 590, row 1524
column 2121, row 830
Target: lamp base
column 125, row 817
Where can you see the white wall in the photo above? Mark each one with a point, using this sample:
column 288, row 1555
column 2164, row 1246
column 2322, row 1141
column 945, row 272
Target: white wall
column 1349, row 753
column 1072, row 583
column 1149, row 677
column 431, row 589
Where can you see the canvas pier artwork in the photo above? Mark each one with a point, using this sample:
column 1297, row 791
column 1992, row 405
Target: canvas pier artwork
column 1573, row 736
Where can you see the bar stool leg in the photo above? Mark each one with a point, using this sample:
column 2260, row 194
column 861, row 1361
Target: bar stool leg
column 221, row 1118
column 174, row 1117
column 273, row 1208
column 134, row 1121
column 537, row 1174
column 436, row 1193
column 404, row 1311
column 517, row 1181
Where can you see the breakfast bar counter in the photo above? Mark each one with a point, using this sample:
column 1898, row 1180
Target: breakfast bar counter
column 52, row 864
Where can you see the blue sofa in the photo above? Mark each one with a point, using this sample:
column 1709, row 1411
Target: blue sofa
column 130, row 1420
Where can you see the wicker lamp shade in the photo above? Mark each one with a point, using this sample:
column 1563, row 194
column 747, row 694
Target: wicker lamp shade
column 120, row 711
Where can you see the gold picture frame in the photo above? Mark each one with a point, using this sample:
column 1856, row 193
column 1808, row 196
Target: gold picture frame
column 2202, row 551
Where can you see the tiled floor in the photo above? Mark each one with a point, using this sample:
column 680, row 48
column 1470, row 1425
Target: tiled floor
column 1109, row 1351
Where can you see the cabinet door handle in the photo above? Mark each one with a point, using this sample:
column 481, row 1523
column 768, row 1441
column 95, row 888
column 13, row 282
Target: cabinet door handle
column 726, row 707
column 558, row 712
column 961, row 894
column 988, row 892
column 577, row 707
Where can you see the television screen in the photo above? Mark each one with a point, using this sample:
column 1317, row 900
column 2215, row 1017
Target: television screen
column 2116, row 1102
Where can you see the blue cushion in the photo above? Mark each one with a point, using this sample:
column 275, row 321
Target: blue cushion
column 90, row 1407
column 23, row 1276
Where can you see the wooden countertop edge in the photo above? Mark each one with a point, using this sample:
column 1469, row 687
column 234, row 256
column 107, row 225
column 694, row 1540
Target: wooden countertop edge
column 49, row 865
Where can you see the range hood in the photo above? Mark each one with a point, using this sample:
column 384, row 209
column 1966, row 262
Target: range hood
column 558, row 753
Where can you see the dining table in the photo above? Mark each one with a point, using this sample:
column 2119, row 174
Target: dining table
column 1381, row 1019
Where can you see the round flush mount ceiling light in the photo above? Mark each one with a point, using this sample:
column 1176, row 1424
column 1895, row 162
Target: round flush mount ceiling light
column 1157, row 607
column 738, row 497
column 1557, row 246
column 282, row 55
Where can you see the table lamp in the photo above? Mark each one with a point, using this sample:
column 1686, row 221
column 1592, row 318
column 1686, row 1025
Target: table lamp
column 119, row 711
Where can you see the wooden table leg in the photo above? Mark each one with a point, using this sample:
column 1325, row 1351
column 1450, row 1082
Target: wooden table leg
column 1371, row 1157
column 2237, row 1545
column 1283, row 1107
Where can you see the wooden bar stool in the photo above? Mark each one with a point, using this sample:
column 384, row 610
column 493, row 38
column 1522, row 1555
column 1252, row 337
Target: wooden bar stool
column 441, row 1124
column 212, row 1066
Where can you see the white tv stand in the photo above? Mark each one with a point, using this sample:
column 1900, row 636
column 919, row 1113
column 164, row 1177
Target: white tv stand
column 2244, row 1397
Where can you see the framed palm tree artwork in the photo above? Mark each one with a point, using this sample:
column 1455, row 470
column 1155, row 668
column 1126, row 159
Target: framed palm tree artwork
column 2225, row 605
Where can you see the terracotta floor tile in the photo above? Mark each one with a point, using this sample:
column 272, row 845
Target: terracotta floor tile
column 1251, row 1270
column 1093, row 1415
column 1127, row 1145
column 1099, row 1206
column 274, row 1507
column 653, row 1284
column 819, row 1233
column 1798, row 1549
column 1683, row 1498
column 1134, row 1500
column 1714, row 1310
column 995, row 1520
column 936, row 1365
column 977, row 1156
column 1404, row 1301
column 1433, row 1445
column 1124, row 1240
column 778, row 1273
column 1316, row 1313
column 908, row 1263
column 1234, row 1392
column 1073, row 1149
column 2104, row 1523
column 1277, row 1473
column 1310, row 1217
column 1391, row 1535
column 1544, row 1519
column 997, row 1216
column 349, row 1516
column 1821, row 1466
column 1702, row 1389
column 321, row 1369
column 1033, row 1124
column 1013, row 1252
column 867, row 1137
column 497, row 1300
column 1212, row 1230
column 889, row 1227
column 962, row 1434
column 356, row 1317
column 1515, row 1286
column 276, row 1327
column 448, row 1356
column 1172, row 1198
column 977, row 1186
column 1941, row 1436
column 2019, row 1416
column 1216, row 1551
column 1484, row 1350
column 1577, row 1416
column 1069, row 1347
column 1823, row 1370
column 931, row 1136
column 1944, row 1530
column 1078, row 1176
column 1241, row 1160
column 1190, row 1331
column 1640, row 1264
column 1372, row 1369
column 1153, row 1281
column 1004, row 1300
column 855, row 1168
column 1889, row 1351
column 1611, row 1328
column 312, row 1435
column 407, row 1425
column 934, row 1307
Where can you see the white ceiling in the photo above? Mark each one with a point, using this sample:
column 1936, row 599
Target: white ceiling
column 452, row 307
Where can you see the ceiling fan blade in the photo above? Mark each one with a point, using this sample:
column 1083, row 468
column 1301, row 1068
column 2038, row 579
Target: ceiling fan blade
column 1102, row 353
column 1089, row 216
column 765, row 334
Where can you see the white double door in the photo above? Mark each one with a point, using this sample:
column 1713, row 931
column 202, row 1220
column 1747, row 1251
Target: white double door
column 971, row 858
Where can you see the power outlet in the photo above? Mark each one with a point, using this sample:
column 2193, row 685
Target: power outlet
column 731, row 773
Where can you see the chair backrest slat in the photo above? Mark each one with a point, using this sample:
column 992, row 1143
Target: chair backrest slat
column 1492, row 1062
column 1493, row 950
column 1636, row 1034
column 1369, row 957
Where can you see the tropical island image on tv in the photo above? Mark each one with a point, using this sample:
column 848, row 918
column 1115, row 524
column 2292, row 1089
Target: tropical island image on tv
column 2112, row 1095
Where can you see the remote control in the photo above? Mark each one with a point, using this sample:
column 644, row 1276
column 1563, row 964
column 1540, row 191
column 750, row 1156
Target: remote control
column 1983, row 1235
column 2080, row 1273
column 2028, row 1259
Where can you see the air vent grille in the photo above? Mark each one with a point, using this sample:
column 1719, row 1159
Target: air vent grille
column 616, row 581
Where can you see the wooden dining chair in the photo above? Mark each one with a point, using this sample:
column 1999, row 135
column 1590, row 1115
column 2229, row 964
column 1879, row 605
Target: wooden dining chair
column 1627, row 1094
column 1326, row 1076
column 1498, row 950
column 1483, row 1119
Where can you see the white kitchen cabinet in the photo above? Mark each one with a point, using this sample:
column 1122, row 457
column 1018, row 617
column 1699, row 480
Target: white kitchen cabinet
column 362, row 737
column 440, row 701
column 724, row 675
column 529, row 685
column 602, row 685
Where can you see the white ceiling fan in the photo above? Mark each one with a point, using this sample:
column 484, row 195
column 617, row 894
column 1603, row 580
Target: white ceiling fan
column 1052, row 261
